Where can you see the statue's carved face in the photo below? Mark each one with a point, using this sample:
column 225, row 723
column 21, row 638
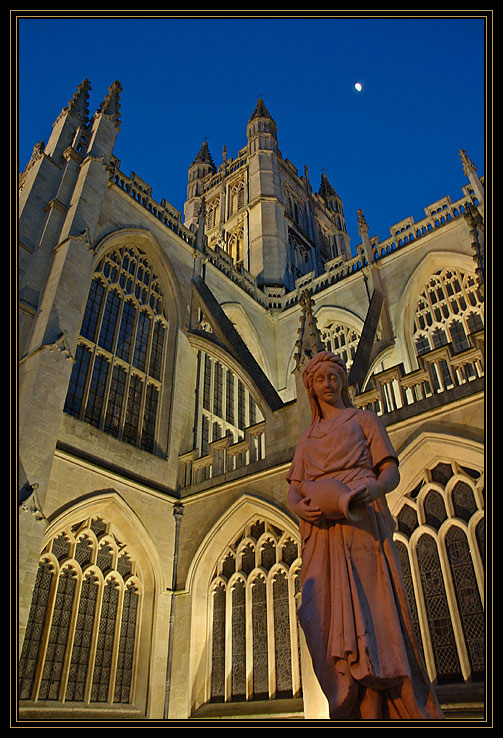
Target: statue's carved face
column 328, row 384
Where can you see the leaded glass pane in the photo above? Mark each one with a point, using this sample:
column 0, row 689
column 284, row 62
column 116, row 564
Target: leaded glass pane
column 464, row 501
column 409, row 590
column 96, row 391
column 468, row 598
column 437, row 608
column 125, row 656
column 407, row 520
column 58, row 635
column 238, row 641
column 34, row 629
column 125, row 339
column 218, row 646
column 105, row 643
column 132, row 420
column 248, row 558
column 434, row 509
column 282, row 646
column 79, row 663
column 109, row 321
column 149, row 418
column 141, row 344
column 115, row 401
column 268, row 554
column 76, row 387
column 92, row 310
column 155, row 366
column 259, row 639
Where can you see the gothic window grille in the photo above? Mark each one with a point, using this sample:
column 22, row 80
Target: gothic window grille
column 81, row 640
column 468, row 598
column 224, row 405
column 254, row 589
column 437, row 609
column 440, row 543
column 35, row 628
column 341, row 340
column 447, row 310
column 116, row 381
column 218, row 642
column 212, row 213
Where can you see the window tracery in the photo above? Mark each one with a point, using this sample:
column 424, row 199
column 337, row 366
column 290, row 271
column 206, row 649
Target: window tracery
column 342, row 340
column 224, row 405
column 448, row 309
column 440, row 540
column 116, row 380
column 253, row 590
column 81, row 640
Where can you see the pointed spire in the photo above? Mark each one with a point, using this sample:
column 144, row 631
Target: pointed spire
column 468, row 165
column 309, row 342
column 204, row 156
column 470, row 171
column 326, row 190
column 78, row 105
column 111, row 104
column 261, row 111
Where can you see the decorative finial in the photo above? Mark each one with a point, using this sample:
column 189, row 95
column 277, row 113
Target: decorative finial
column 309, row 342
column 111, row 104
column 362, row 223
column 468, row 165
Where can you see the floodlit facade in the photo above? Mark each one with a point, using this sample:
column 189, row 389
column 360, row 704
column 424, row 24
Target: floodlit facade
column 160, row 402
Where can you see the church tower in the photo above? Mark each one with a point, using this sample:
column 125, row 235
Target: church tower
column 267, row 226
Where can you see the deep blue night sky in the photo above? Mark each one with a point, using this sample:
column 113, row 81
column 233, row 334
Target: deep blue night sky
column 391, row 149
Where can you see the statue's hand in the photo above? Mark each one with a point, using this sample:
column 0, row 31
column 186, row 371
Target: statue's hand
column 308, row 512
column 370, row 491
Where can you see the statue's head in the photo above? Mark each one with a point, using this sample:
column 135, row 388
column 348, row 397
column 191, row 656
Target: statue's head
column 338, row 365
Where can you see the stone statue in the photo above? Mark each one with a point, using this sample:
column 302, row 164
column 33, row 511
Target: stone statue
column 354, row 610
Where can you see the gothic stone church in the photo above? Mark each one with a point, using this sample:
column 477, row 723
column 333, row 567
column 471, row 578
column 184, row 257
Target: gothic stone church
column 160, row 402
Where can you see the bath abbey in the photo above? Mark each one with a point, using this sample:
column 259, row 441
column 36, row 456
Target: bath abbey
column 160, row 401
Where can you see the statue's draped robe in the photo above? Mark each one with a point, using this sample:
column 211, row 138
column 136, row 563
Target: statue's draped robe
column 354, row 610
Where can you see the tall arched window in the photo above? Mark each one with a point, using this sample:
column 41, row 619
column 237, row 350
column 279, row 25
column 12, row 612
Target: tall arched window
column 341, row 339
column 253, row 625
column 224, row 405
column 81, row 640
column 440, row 540
column 116, row 382
column 448, row 309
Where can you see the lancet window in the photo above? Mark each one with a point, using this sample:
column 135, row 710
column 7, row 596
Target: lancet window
column 117, row 379
column 212, row 213
column 448, row 309
column 237, row 197
column 441, row 543
column 224, row 405
column 254, row 637
column 81, row 639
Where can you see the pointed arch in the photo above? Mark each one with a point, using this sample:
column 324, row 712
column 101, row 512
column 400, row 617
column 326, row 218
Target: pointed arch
column 431, row 263
column 209, row 587
column 93, row 606
column 122, row 381
column 439, row 510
